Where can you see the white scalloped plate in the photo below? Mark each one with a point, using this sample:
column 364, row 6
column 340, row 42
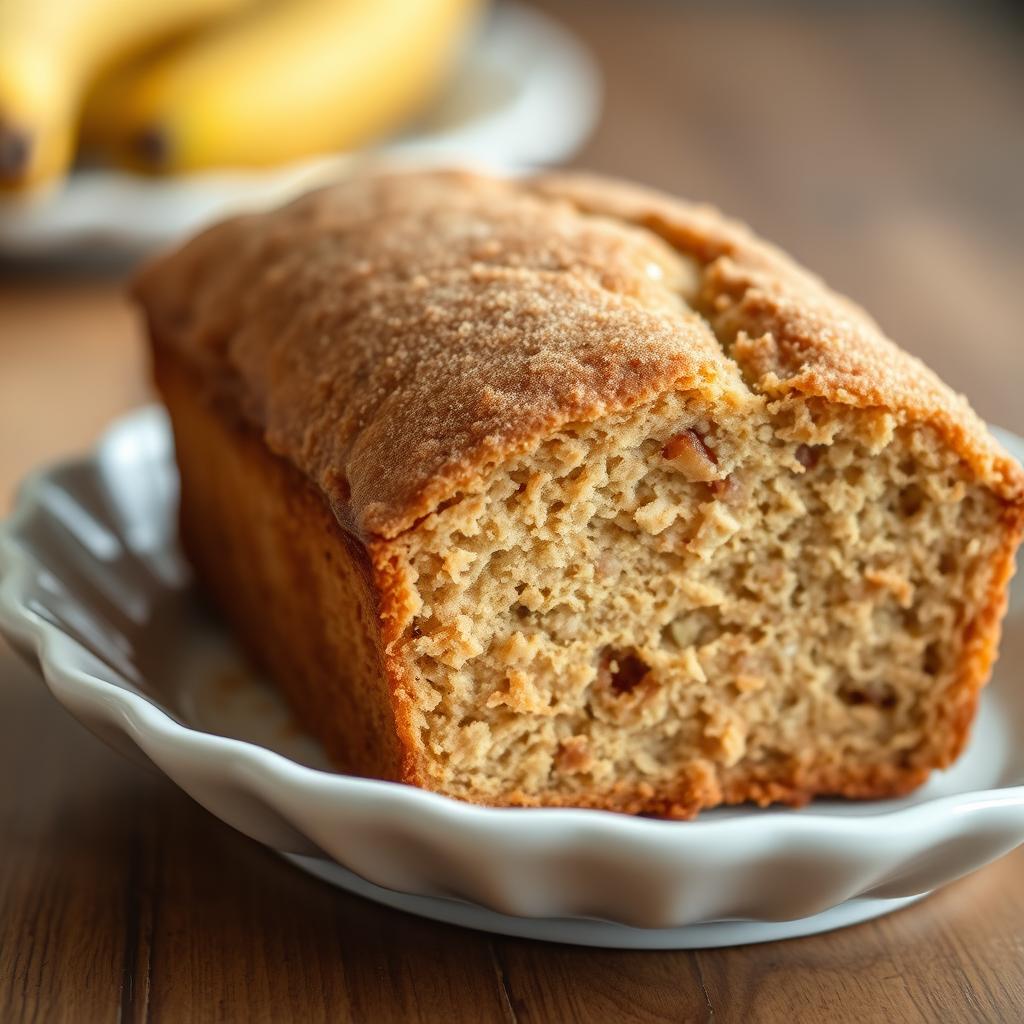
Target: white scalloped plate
column 93, row 590
column 526, row 94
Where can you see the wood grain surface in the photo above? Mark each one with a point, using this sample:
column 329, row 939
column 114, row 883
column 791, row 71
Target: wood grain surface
column 882, row 144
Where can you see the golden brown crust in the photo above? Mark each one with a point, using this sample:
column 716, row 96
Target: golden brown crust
column 298, row 591
column 435, row 323
column 392, row 336
column 787, row 330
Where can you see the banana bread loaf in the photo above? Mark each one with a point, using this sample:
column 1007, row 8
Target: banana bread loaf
column 562, row 492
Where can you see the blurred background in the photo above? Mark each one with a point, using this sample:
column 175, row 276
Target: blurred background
column 881, row 143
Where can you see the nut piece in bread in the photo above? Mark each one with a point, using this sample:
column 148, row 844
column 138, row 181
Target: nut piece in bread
column 562, row 492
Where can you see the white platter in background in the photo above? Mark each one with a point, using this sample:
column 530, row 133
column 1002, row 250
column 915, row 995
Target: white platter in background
column 526, row 94
column 94, row 592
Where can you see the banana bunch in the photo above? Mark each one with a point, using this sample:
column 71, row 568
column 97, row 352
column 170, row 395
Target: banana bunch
column 50, row 51
column 167, row 86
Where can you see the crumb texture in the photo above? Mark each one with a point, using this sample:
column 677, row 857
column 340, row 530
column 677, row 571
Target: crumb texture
column 677, row 597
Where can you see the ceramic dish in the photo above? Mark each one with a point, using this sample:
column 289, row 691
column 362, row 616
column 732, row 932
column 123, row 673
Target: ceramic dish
column 93, row 590
column 526, row 94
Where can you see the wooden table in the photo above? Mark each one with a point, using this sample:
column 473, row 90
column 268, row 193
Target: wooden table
column 880, row 143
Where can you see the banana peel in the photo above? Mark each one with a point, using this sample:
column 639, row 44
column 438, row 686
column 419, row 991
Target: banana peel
column 278, row 82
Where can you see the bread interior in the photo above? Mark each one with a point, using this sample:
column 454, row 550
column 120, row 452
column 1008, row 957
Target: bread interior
column 694, row 593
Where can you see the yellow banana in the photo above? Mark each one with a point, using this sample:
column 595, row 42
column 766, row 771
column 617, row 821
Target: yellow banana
column 50, row 50
column 278, row 82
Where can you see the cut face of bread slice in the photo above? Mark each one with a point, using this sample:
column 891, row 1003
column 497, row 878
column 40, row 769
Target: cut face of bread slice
column 698, row 601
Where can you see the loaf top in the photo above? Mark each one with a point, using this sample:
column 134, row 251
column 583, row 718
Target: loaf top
column 396, row 335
